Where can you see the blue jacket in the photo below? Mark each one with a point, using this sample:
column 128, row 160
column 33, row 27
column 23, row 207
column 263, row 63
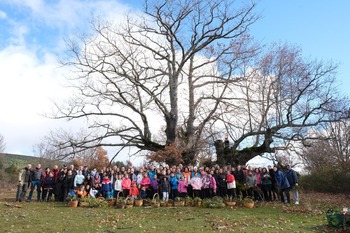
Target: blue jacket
column 151, row 174
column 281, row 180
column 292, row 177
column 173, row 182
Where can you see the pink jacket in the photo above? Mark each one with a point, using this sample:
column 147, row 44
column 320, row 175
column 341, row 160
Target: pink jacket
column 212, row 184
column 182, row 187
column 258, row 178
column 126, row 183
column 196, row 183
column 146, row 181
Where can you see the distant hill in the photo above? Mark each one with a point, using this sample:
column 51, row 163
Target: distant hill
column 11, row 163
column 18, row 160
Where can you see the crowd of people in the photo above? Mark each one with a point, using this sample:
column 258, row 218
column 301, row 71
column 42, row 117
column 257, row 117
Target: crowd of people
column 269, row 184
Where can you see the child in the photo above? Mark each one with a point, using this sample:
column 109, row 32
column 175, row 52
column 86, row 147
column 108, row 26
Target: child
column 154, row 185
column 165, row 188
column 126, row 185
column 48, row 184
column 182, row 187
column 143, row 192
column 106, row 188
column 118, row 185
column 81, row 192
column 134, row 191
column 174, row 185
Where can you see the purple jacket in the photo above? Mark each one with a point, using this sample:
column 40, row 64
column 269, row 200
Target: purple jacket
column 155, row 184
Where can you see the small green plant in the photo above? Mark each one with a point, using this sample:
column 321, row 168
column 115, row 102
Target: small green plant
column 178, row 199
column 247, row 200
column 217, row 198
column 98, row 202
column 71, row 197
column 85, row 199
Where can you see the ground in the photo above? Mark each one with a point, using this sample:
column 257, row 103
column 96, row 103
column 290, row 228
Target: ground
column 309, row 216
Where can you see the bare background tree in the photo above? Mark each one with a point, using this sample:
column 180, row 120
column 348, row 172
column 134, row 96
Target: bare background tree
column 328, row 161
column 283, row 98
column 192, row 69
column 333, row 152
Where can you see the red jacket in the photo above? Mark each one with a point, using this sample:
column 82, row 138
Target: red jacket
column 230, row 178
column 134, row 191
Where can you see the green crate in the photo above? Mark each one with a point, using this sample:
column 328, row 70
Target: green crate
column 335, row 219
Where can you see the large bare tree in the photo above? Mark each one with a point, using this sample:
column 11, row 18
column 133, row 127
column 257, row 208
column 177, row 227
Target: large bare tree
column 133, row 76
column 189, row 67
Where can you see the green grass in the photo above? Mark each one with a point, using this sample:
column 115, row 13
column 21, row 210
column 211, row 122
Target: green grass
column 57, row 217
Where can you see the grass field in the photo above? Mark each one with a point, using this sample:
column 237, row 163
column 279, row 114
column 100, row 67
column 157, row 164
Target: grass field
column 265, row 217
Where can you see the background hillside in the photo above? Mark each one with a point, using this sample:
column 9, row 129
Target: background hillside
column 10, row 164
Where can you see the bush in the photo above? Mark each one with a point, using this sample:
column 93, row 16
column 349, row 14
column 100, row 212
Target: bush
column 12, row 169
column 327, row 181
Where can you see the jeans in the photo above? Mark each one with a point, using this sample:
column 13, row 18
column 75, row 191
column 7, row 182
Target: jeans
column 285, row 197
column 47, row 194
column 165, row 196
column 36, row 183
column 19, row 191
column 295, row 194
column 23, row 192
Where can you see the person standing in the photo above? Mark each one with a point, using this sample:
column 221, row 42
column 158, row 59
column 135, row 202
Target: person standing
column 24, row 180
column 266, row 184
column 79, row 179
column 293, row 182
column 283, row 185
column 231, row 184
column 48, row 186
column 221, row 182
column 36, row 177
column 196, row 184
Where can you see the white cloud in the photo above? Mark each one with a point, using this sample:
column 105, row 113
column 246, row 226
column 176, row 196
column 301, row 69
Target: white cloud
column 67, row 14
column 30, row 75
column 27, row 83
column 3, row 14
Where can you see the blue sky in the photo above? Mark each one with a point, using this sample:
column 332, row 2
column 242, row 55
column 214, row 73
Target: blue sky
column 33, row 31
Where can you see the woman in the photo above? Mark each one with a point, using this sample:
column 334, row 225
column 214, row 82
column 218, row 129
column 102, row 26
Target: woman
column 251, row 183
column 231, row 184
column 205, row 185
column 266, row 184
column 196, row 184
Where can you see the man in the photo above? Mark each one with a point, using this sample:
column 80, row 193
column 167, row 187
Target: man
column 293, row 182
column 240, row 181
column 283, row 185
column 23, row 182
column 36, row 178
column 59, row 187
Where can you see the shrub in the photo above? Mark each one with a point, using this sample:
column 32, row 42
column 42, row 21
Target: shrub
column 326, row 180
column 12, row 169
